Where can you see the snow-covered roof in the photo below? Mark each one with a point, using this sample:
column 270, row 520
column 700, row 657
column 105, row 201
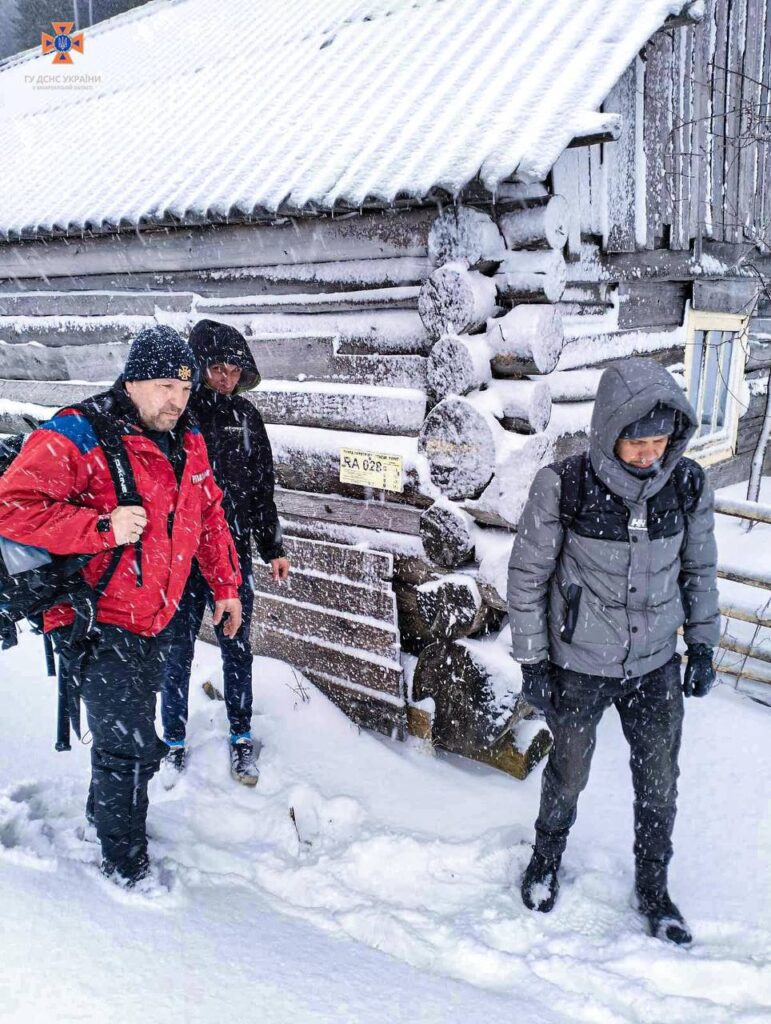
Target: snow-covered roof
column 204, row 109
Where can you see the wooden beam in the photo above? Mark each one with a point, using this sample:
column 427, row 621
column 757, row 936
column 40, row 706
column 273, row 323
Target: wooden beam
column 340, row 407
column 325, row 239
column 370, row 513
column 621, row 166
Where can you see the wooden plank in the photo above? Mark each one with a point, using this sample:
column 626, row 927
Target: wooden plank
column 620, row 164
column 331, row 508
column 324, row 302
column 314, row 655
column 314, row 622
column 567, row 182
column 736, row 44
column 748, row 147
column 658, row 87
column 285, row 357
column 681, row 98
column 743, row 509
column 331, row 592
column 652, row 303
column 363, row 706
column 741, row 575
column 288, row 357
column 726, row 296
column 718, row 100
column 340, row 407
column 309, row 459
column 70, row 331
column 764, row 184
column 52, row 394
column 378, row 235
column 370, row 567
column 699, row 114
column 63, row 362
column 230, row 281
column 92, row 303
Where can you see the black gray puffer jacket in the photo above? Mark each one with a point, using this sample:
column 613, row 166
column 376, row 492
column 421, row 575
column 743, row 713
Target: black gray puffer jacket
column 606, row 594
column 237, row 442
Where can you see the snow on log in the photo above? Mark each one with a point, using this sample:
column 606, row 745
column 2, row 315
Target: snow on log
column 528, row 339
column 521, row 405
column 466, row 234
column 73, row 330
column 447, row 535
column 452, row 607
column 340, row 406
column 458, row 364
column 33, row 361
column 573, row 385
column 478, row 711
column 534, row 227
column 503, row 499
column 313, row 302
column 465, row 447
column 532, row 276
column 386, row 331
column 308, row 459
column 456, row 300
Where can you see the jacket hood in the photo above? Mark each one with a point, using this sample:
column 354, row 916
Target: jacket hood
column 627, row 391
column 214, row 342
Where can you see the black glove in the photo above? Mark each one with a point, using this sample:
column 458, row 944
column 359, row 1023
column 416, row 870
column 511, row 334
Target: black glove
column 699, row 673
column 538, row 686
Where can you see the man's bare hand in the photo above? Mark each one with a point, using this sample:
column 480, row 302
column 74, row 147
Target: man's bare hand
column 279, row 569
column 128, row 523
column 232, row 608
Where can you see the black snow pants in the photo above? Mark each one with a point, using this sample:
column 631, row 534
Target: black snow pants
column 119, row 679
column 651, row 712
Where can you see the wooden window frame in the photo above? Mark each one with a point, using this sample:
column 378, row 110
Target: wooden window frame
column 719, row 447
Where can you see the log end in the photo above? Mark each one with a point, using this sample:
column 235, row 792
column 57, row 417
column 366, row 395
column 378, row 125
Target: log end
column 446, row 535
column 468, row 234
column 454, row 368
column 458, row 442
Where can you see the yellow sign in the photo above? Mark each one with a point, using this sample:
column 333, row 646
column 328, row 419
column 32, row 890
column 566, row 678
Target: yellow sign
column 371, row 469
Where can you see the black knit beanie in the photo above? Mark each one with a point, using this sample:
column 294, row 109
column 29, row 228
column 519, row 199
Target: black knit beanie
column 158, row 353
column 658, row 422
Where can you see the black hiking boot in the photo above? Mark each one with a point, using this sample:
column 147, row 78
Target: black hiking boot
column 664, row 919
column 173, row 766
column 540, row 884
column 129, row 874
column 243, row 762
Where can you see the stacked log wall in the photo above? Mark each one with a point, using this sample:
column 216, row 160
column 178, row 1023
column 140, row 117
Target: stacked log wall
column 476, row 359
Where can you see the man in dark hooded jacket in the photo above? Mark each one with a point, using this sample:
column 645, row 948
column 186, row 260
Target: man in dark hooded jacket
column 615, row 551
column 242, row 463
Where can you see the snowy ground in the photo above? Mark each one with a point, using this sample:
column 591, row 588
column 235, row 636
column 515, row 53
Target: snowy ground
column 395, row 897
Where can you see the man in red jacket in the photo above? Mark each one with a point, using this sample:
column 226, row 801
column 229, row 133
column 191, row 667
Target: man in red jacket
column 59, row 494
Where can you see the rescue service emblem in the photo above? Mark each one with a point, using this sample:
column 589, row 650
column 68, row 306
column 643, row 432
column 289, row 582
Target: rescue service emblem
column 185, row 373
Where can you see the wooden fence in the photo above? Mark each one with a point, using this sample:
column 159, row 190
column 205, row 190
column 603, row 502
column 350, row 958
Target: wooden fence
column 749, row 663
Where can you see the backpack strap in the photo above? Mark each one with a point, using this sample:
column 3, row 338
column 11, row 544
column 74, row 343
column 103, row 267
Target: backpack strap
column 572, row 473
column 110, row 438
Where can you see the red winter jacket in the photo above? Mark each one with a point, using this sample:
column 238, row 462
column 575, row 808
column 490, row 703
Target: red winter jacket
column 57, row 487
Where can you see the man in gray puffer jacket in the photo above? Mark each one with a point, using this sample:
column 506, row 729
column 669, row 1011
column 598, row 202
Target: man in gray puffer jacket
column 615, row 551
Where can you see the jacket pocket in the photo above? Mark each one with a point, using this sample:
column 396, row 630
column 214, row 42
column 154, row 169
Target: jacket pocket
column 571, row 613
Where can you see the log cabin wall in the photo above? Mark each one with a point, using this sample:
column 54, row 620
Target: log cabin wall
column 352, row 322
column 467, row 337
